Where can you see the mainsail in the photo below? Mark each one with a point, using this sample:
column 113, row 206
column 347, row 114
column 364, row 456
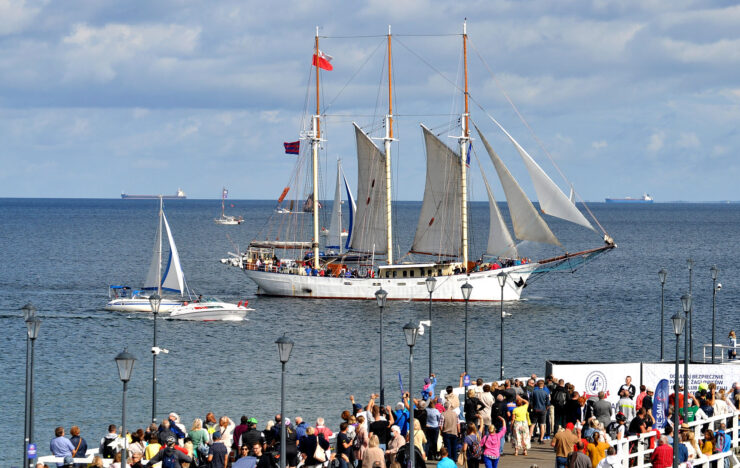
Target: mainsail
column 500, row 243
column 438, row 231
column 369, row 230
column 528, row 225
column 552, row 200
column 172, row 277
column 352, row 210
column 334, row 239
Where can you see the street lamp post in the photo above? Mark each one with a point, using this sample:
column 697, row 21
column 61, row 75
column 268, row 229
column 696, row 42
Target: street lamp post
column 502, row 282
column 29, row 311
column 411, row 330
column 431, row 284
column 466, row 289
column 686, row 304
column 661, row 275
column 285, row 346
column 679, row 320
column 125, row 362
column 381, row 295
column 715, row 272
column 690, row 317
column 32, row 324
column 154, row 301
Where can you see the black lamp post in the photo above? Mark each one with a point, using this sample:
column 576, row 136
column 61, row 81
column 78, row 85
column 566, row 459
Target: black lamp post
column 125, row 362
column 411, row 330
column 690, row 317
column 466, row 289
column 29, row 311
column 502, row 282
column 32, row 324
column 661, row 275
column 285, row 346
column 381, row 295
column 679, row 321
column 715, row 272
column 154, row 301
column 686, row 305
column 431, row 284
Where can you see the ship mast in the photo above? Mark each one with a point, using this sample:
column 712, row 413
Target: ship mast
column 464, row 139
column 387, row 140
column 159, row 266
column 316, row 137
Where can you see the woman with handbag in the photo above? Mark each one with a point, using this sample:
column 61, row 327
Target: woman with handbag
column 313, row 448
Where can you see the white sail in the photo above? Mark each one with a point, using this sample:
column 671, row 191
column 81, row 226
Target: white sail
column 369, row 230
column 352, row 211
column 172, row 276
column 552, row 200
column 334, row 239
column 572, row 196
column 500, row 243
column 439, row 230
column 528, row 224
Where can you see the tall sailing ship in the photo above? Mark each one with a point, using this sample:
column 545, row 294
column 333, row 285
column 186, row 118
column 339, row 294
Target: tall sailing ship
column 369, row 261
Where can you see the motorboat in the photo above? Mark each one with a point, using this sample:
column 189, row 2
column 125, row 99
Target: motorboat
column 210, row 310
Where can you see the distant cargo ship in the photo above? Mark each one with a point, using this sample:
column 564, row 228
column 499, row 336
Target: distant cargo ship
column 179, row 195
column 645, row 198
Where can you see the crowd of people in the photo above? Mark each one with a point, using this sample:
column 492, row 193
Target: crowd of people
column 473, row 431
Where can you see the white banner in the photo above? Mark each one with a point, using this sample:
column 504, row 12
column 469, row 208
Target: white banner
column 592, row 378
column 724, row 375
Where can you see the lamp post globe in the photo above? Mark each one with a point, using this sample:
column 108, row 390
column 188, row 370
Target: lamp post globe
column 380, row 296
column 662, row 276
column 431, row 283
column 715, row 272
column 285, row 346
column 125, row 362
column 679, row 321
column 501, row 277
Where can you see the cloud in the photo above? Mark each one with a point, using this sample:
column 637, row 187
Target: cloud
column 601, row 144
column 656, row 142
column 688, row 140
column 15, row 16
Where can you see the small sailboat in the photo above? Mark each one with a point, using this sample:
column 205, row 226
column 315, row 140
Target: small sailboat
column 168, row 279
column 225, row 219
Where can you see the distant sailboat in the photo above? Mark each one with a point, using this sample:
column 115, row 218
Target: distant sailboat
column 336, row 232
column 227, row 219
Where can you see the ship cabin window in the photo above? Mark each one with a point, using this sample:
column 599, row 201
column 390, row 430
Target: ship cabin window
column 439, row 272
column 412, row 273
column 430, row 272
column 405, row 273
column 394, row 273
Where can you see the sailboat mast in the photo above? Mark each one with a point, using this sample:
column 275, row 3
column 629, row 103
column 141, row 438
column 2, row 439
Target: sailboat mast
column 388, row 138
column 464, row 139
column 159, row 265
column 315, row 163
column 223, row 199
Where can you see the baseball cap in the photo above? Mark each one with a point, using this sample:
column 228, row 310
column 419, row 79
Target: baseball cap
column 252, row 420
column 569, row 426
column 217, row 435
column 170, row 440
column 426, row 380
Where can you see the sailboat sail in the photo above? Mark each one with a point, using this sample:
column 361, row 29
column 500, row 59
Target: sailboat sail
column 500, row 243
column 172, row 277
column 552, row 200
column 528, row 225
column 334, row 240
column 438, row 231
column 352, row 210
column 369, row 231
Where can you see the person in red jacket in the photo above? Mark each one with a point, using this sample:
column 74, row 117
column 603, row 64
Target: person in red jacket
column 662, row 456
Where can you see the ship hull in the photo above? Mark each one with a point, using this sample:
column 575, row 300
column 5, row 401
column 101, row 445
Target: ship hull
column 485, row 286
column 628, row 200
column 126, row 196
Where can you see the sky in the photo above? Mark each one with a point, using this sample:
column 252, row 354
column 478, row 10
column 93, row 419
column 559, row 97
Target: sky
column 625, row 96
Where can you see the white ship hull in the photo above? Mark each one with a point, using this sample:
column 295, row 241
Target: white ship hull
column 210, row 312
column 128, row 304
column 485, row 286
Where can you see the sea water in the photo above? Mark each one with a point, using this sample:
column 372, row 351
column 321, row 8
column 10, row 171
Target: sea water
column 61, row 254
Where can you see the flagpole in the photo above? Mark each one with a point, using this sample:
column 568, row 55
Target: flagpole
column 387, row 147
column 315, row 162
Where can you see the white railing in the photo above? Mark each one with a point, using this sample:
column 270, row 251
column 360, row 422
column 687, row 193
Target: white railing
column 640, row 458
column 720, row 353
column 88, row 458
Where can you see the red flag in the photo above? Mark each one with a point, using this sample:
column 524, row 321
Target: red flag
column 323, row 61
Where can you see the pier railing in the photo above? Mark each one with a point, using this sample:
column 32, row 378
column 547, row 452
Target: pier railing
column 721, row 353
column 639, row 456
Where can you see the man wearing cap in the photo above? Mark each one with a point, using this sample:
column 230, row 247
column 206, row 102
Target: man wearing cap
column 252, row 435
column 563, row 443
column 169, row 452
column 218, row 455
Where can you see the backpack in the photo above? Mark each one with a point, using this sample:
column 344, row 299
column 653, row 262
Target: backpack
column 560, row 398
column 719, row 441
column 356, row 445
column 476, row 451
column 109, row 450
column 169, row 461
column 612, row 429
